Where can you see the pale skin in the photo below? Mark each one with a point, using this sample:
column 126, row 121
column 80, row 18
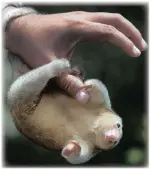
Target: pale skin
column 51, row 39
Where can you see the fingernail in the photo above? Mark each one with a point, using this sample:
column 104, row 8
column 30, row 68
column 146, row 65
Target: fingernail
column 136, row 51
column 144, row 44
column 82, row 97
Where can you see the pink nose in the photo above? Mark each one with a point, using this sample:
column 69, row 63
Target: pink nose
column 111, row 135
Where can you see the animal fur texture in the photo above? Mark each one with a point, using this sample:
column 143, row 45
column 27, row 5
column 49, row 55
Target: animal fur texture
column 58, row 121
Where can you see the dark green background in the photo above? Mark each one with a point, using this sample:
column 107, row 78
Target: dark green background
column 125, row 78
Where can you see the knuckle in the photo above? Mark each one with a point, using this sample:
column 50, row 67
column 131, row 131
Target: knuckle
column 140, row 35
column 118, row 17
column 73, row 23
column 108, row 29
column 130, row 43
column 73, row 19
column 79, row 12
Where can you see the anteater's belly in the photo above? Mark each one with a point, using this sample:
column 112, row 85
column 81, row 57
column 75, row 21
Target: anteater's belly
column 45, row 123
column 55, row 120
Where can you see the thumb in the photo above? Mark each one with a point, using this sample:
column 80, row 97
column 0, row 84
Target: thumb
column 73, row 85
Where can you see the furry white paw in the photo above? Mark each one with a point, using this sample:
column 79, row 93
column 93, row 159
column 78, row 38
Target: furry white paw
column 77, row 152
column 71, row 150
column 94, row 84
column 98, row 92
column 61, row 66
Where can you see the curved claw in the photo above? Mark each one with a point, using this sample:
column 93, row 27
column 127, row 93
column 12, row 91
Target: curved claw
column 86, row 88
column 78, row 72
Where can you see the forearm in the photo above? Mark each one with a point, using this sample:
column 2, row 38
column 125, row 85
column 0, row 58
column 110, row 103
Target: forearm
column 11, row 15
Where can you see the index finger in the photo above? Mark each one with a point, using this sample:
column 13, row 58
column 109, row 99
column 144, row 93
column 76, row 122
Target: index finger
column 96, row 31
column 120, row 23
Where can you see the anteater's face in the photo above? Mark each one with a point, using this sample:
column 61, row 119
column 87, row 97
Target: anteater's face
column 108, row 129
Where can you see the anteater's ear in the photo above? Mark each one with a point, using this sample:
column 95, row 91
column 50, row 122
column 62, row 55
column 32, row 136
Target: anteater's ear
column 71, row 149
column 78, row 71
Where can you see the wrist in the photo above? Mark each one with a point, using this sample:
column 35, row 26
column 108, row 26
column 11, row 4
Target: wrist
column 11, row 14
column 15, row 32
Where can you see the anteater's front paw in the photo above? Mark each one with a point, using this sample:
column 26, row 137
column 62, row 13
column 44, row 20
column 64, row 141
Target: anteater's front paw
column 93, row 87
column 72, row 149
column 61, row 66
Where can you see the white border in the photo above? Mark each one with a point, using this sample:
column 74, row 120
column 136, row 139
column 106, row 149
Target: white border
column 67, row 2
column 81, row 1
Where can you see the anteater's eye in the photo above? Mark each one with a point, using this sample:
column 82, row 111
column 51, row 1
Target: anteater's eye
column 118, row 125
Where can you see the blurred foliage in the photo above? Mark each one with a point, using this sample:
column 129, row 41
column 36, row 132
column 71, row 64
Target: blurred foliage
column 134, row 156
column 125, row 78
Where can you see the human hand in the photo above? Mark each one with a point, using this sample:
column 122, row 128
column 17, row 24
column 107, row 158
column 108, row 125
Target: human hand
column 39, row 39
